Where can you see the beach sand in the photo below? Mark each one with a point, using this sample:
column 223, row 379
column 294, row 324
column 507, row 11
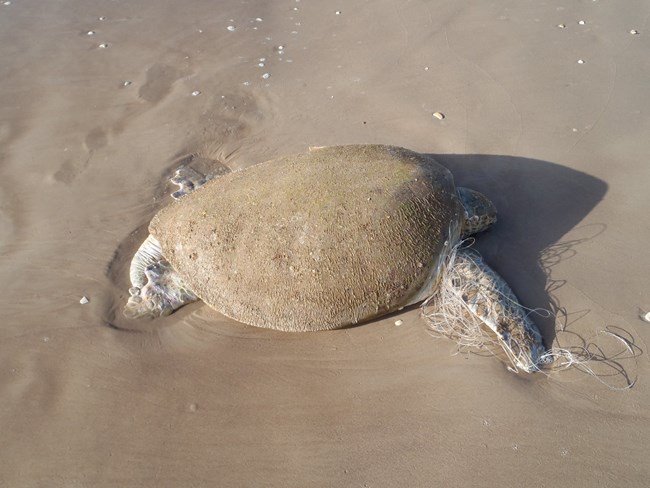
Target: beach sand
column 100, row 101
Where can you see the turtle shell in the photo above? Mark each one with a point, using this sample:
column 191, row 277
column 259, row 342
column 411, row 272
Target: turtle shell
column 314, row 241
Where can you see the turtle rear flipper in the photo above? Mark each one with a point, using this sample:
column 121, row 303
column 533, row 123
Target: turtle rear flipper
column 157, row 289
column 187, row 180
column 164, row 292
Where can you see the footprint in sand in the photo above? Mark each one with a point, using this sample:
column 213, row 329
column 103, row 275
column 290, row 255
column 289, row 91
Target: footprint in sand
column 96, row 139
column 160, row 79
column 71, row 169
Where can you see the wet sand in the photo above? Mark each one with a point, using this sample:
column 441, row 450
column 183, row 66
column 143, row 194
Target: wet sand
column 90, row 134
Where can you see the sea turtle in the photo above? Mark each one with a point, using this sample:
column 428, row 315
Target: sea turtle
column 324, row 239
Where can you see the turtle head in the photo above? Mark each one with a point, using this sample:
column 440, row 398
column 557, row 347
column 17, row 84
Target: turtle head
column 480, row 213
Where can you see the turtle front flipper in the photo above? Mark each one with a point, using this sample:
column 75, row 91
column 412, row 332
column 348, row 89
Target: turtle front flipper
column 470, row 297
column 157, row 289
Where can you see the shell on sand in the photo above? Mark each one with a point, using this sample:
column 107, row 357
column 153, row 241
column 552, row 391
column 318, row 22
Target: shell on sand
column 314, row 241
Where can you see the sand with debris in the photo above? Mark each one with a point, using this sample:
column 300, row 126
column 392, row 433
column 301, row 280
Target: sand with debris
column 100, row 101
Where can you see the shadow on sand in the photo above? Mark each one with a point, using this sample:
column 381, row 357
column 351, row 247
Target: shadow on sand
column 538, row 203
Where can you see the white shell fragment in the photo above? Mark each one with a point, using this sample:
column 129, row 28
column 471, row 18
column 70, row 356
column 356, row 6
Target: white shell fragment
column 84, row 300
column 645, row 316
column 581, row 22
column 438, row 115
column 580, row 61
column 231, row 28
column 398, row 323
column 634, row 32
column 196, row 93
column 90, row 33
column 561, row 26
column 103, row 45
column 266, row 76
column 126, row 83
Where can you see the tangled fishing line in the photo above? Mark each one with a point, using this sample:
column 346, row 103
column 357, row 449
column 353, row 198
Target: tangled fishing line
column 473, row 306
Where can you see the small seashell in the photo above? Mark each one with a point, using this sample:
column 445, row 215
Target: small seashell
column 398, row 322
column 261, row 65
column 634, row 32
column 561, row 26
column 6, row 3
column 581, row 22
column 581, row 61
column 266, row 76
column 645, row 316
column 231, row 28
column 126, row 83
column 259, row 19
column 84, row 300
column 338, row 12
column 438, row 115
column 196, row 93
column 103, row 45
column 90, row 33
column 101, row 18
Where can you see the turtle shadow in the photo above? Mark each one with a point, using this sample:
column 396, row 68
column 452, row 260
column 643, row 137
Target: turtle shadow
column 538, row 202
